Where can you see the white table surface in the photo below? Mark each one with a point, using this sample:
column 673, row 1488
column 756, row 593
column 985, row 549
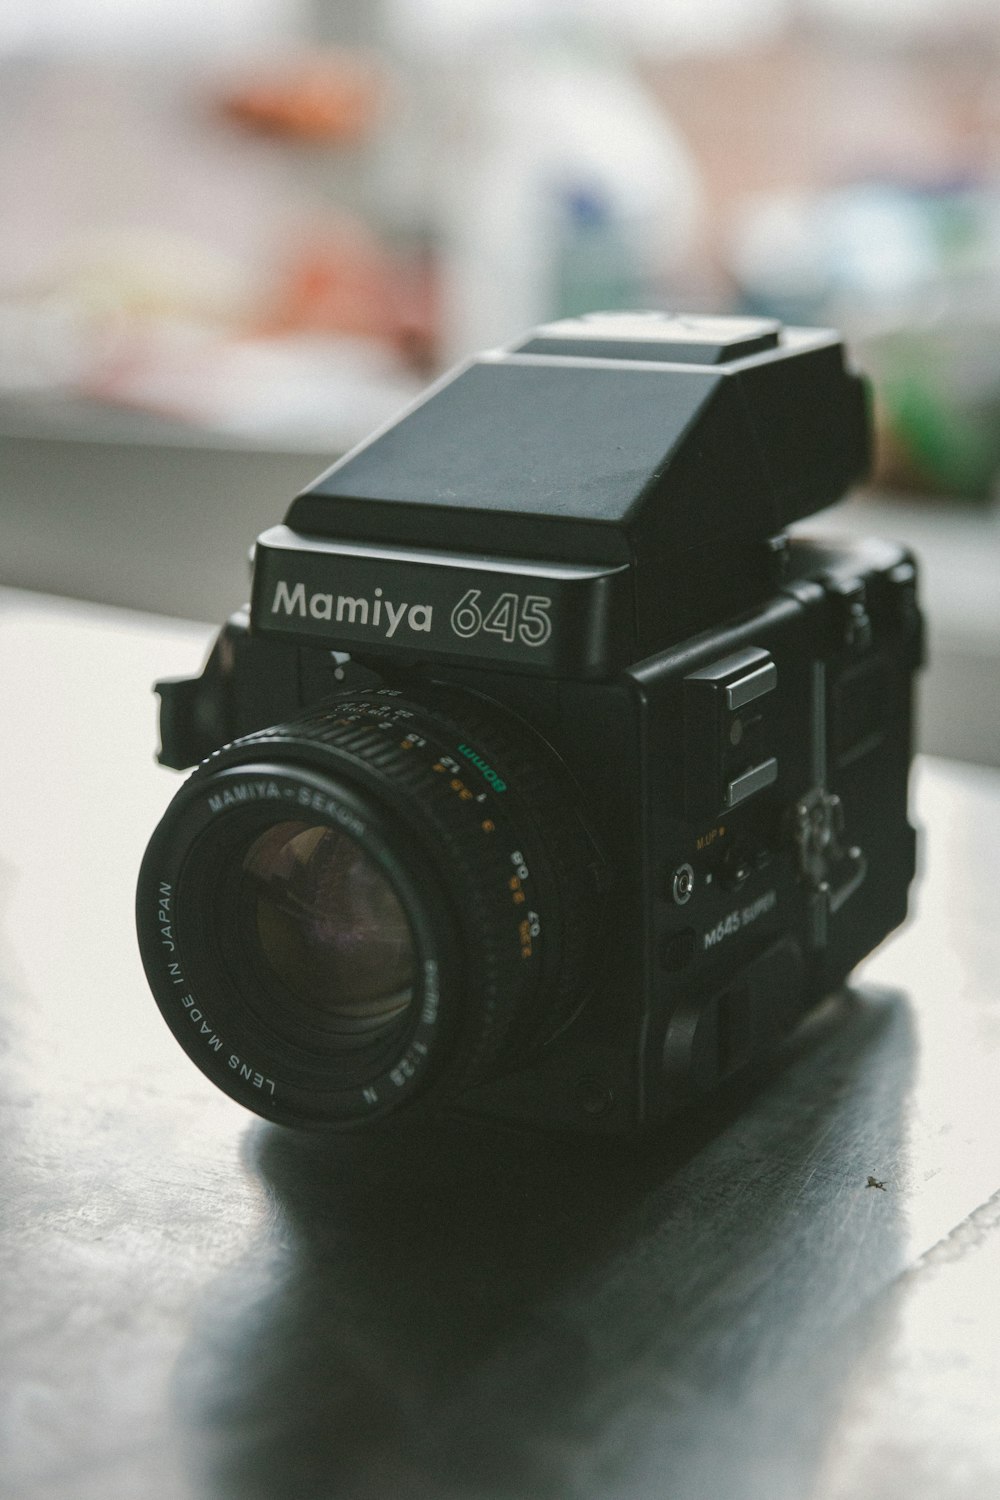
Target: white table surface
column 197, row 1304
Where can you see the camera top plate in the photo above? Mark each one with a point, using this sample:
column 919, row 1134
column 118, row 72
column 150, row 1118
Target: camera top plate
column 694, row 340
column 557, row 619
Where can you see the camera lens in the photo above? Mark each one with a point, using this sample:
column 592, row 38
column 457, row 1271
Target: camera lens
column 328, row 927
column 383, row 902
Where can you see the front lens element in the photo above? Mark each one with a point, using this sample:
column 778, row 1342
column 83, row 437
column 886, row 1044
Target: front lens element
column 328, row 926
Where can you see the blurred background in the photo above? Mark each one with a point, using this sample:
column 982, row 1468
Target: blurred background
column 238, row 235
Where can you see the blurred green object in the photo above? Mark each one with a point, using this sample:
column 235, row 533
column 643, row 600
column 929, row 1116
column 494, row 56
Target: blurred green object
column 939, row 393
column 911, row 273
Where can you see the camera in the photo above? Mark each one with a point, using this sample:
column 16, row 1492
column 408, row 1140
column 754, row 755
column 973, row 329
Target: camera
column 547, row 775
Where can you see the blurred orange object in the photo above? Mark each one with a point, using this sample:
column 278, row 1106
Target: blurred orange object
column 342, row 280
column 333, row 97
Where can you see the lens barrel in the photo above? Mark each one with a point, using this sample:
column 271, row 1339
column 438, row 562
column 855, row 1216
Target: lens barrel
column 376, row 905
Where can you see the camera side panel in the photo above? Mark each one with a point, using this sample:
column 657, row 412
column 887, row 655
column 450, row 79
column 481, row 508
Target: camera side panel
column 777, row 847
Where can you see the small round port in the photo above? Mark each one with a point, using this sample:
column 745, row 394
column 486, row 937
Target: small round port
column 682, row 886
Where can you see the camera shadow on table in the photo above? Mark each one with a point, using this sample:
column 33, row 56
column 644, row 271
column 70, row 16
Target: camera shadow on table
column 474, row 1312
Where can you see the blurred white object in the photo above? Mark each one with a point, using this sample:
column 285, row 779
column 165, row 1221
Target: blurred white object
column 148, row 27
column 108, row 299
column 561, row 187
column 910, row 18
column 682, row 25
column 873, row 244
column 296, row 392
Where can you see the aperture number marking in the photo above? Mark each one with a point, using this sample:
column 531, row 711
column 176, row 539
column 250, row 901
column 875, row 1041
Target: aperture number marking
column 516, row 881
column 510, row 616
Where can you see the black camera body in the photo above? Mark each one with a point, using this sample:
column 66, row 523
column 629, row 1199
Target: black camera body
column 584, row 782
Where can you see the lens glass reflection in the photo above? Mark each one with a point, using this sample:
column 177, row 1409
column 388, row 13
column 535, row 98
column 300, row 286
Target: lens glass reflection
column 329, row 927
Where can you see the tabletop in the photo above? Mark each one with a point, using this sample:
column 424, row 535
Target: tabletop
column 198, row 1304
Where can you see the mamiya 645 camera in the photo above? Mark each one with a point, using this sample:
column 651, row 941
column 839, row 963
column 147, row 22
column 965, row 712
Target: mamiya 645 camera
column 555, row 783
